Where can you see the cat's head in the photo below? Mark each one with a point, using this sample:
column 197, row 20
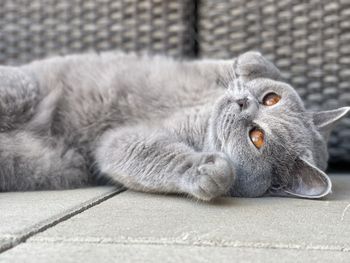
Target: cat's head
column 275, row 145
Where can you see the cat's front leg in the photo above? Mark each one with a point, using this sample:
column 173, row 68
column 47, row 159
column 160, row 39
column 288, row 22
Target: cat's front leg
column 155, row 161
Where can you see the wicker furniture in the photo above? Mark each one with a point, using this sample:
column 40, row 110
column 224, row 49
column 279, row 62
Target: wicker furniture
column 31, row 29
column 308, row 40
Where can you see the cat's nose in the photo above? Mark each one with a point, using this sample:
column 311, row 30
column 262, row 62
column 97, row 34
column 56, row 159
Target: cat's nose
column 243, row 103
column 248, row 106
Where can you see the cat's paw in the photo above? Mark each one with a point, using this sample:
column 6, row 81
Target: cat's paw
column 252, row 65
column 213, row 177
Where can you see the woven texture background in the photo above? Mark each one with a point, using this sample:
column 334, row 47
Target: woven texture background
column 31, row 29
column 308, row 40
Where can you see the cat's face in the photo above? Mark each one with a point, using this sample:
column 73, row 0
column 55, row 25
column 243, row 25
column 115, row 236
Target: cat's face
column 273, row 143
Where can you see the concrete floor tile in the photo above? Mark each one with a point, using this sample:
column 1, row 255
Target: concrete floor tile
column 91, row 253
column 23, row 213
column 286, row 223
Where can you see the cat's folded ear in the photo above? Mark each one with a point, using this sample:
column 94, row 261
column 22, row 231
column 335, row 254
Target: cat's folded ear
column 308, row 181
column 252, row 65
column 305, row 180
column 325, row 121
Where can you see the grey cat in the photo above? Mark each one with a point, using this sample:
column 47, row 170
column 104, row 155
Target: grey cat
column 201, row 128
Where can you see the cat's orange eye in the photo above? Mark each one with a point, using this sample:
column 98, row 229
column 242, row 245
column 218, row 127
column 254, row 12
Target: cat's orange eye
column 257, row 137
column 271, row 99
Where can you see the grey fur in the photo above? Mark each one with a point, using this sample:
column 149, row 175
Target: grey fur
column 155, row 124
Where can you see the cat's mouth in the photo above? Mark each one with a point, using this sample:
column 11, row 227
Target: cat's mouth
column 249, row 187
column 277, row 189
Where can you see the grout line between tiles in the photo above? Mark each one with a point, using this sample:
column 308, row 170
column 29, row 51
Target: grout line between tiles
column 42, row 226
column 156, row 241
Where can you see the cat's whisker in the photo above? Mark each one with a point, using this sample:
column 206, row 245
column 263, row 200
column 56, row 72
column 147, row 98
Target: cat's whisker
column 224, row 82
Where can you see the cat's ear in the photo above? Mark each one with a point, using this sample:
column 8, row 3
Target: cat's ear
column 325, row 121
column 307, row 181
column 252, row 65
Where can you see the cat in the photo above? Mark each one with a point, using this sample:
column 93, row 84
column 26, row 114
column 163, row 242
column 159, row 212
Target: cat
column 202, row 128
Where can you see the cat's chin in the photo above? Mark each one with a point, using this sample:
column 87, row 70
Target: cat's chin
column 276, row 190
column 250, row 183
column 250, row 193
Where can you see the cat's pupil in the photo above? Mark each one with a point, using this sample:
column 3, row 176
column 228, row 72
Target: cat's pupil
column 257, row 137
column 271, row 99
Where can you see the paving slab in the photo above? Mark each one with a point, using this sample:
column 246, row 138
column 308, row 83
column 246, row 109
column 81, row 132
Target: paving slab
column 25, row 213
column 134, row 226
column 106, row 253
column 133, row 217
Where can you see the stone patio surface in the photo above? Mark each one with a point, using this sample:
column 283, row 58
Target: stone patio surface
column 105, row 224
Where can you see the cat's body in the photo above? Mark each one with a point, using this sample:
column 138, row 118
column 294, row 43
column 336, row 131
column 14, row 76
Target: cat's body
column 98, row 92
column 150, row 123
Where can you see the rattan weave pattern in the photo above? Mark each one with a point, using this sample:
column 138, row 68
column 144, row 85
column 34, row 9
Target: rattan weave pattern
column 308, row 40
column 31, row 29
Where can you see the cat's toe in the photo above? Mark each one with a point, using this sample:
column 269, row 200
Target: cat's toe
column 214, row 178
